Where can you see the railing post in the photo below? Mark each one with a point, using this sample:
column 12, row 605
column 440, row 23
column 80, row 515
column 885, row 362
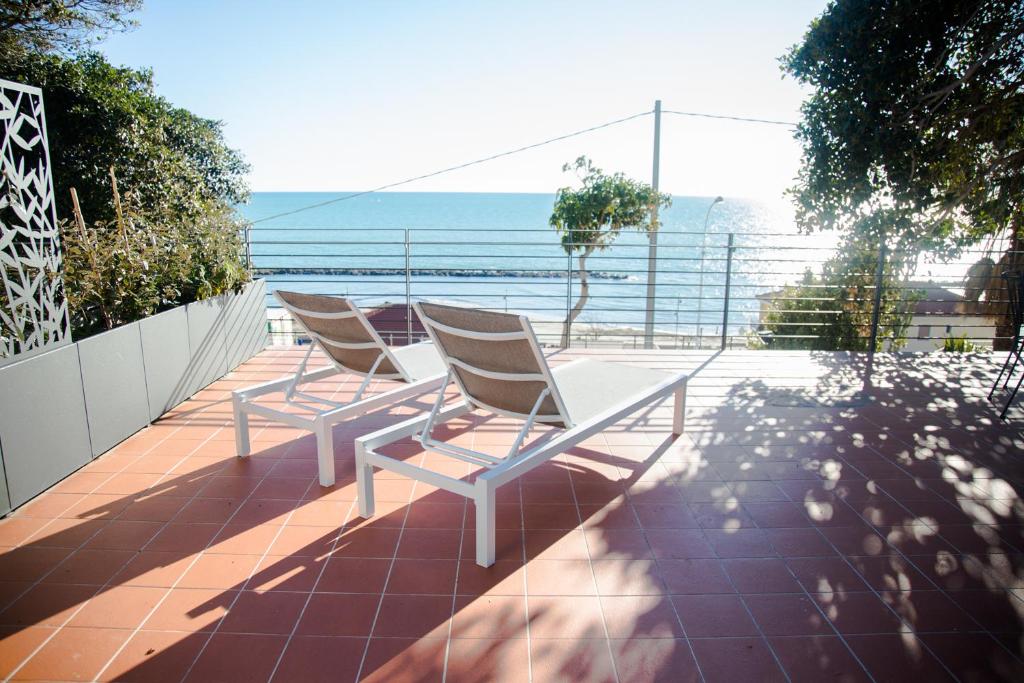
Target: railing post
column 247, row 233
column 876, row 311
column 728, row 282
column 652, row 248
column 408, row 291
column 568, row 295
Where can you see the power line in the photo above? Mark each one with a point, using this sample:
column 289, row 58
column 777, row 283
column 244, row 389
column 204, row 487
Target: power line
column 452, row 168
column 729, row 118
column 509, row 153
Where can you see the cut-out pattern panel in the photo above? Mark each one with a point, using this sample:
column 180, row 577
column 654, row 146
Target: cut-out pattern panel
column 33, row 310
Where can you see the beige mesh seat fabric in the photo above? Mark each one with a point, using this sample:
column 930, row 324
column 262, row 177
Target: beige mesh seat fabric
column 342, row 333
column 336, row 325
column 496, row 363
column 577, row 391
column 590, row 387
column 514, row 373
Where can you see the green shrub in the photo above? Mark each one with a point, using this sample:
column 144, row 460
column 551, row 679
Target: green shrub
column 137, row 265
column 959, row 345
column 176, row 238
column 833, row 311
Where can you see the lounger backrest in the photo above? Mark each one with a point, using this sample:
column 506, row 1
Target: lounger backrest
column 342, row 332
column 495, row 360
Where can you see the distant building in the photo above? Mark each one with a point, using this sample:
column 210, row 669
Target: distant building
column 942, row 313
column 939, row 314
column 389, row 321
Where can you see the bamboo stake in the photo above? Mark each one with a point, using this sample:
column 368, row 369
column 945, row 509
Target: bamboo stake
column 77, row 209
column 117, row 207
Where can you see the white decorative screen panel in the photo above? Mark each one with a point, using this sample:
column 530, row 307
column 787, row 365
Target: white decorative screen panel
column 33, row 310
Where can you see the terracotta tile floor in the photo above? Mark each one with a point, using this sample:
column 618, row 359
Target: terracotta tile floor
column 800, row 530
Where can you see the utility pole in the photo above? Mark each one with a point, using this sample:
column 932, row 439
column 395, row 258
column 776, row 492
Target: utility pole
column 652, row 252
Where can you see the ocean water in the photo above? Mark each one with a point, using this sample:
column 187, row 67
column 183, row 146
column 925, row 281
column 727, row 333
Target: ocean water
column 496, row 250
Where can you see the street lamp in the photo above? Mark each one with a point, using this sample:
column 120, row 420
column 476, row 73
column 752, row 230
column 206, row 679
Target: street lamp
column 700, row 292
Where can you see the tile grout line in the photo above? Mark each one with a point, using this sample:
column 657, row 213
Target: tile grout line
column 387, row 579
column 312, row 590
column 455, row 588
column 732, row 584
column 309, row 597
column 101, row 588
column 667, row 595
column 195, row 559
column 526, row 586
column 806, row 593
column 238, row 593
column 593, row 577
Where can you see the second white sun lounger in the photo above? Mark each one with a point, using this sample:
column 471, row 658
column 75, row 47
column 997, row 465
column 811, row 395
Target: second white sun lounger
column 497, row 365
column 342, row 332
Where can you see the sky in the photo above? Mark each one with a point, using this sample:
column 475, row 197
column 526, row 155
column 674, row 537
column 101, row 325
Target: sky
column 345, row 96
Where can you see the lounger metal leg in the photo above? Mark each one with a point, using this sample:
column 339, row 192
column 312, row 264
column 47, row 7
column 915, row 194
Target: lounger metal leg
column 1013, row 394
column 364, row 482
column 325, row 451
column 242, row 447
column 1015, row 355
column 679, row 410
column 485, row 523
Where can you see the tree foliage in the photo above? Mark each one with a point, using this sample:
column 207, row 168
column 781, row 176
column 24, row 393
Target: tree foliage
column 914, row 132
column 36, row 26
column 176, row 238
column 140, row 263
column 834, row 311
column 101, row 116
column 589, row 218
column 915, row 128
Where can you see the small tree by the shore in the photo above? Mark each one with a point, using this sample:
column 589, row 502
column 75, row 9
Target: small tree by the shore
column 590, row 218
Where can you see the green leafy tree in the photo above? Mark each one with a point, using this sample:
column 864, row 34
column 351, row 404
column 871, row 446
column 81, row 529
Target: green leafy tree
column 101, row 116
column 834, row 311
column 176, row 237
column 589, row 218
column 914, row 132
column 35, row 26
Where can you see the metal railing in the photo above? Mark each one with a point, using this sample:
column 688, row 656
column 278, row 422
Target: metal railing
column 718, row 290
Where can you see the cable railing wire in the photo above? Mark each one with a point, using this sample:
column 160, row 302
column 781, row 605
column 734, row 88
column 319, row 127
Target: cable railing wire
column 745, row 278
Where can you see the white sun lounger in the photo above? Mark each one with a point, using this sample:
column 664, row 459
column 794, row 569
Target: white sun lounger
column 342, row 332
column 497, row 365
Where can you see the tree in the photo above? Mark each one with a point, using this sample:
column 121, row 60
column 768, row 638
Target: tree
column 177, row 237
column 36, row 26
column 914, row 132
column 834, row 311
column 590, row 218
column 101, row 116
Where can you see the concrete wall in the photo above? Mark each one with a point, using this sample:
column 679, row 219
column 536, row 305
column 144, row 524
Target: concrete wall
column 60, row 409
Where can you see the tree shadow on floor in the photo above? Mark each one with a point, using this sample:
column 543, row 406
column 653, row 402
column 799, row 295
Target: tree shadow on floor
column 888, row 515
